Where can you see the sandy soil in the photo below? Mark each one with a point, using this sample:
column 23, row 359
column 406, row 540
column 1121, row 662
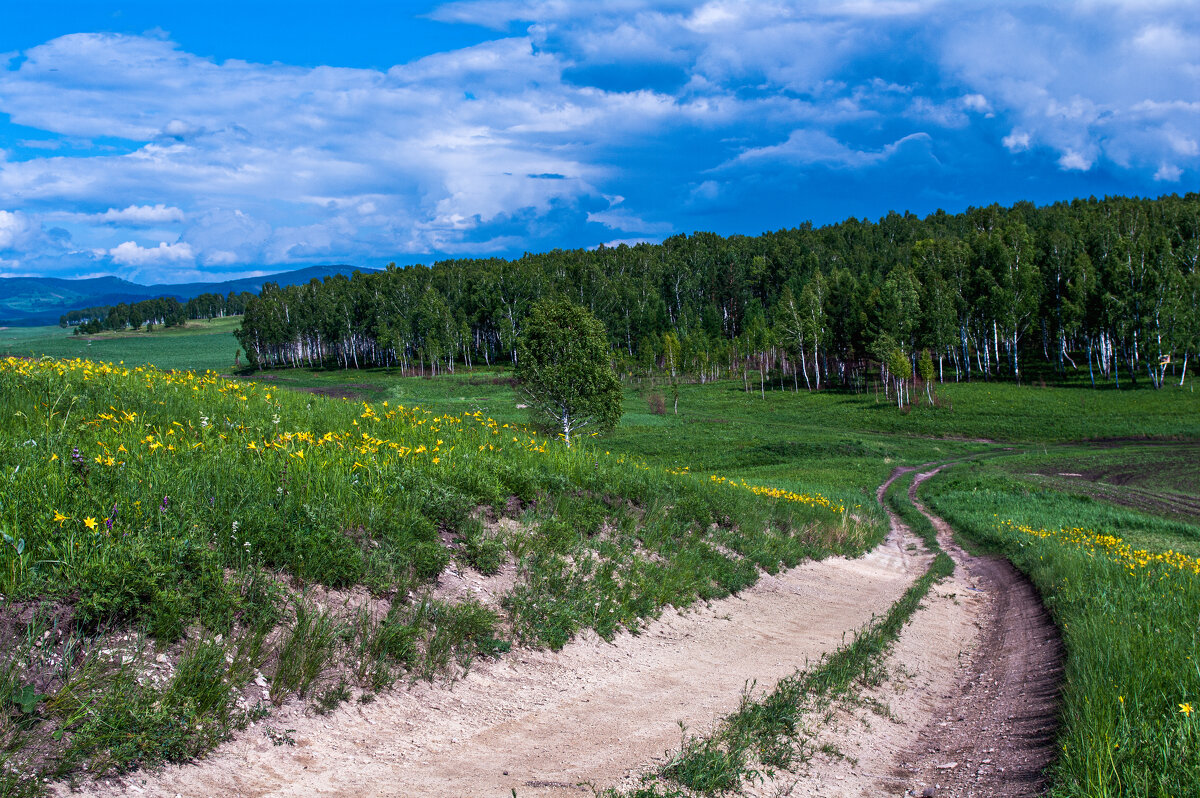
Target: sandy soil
column 543, row 723
column 970, row 705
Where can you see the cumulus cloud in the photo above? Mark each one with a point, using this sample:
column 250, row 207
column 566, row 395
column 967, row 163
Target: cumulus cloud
column 1169, row 173
column 517, row 142
column 1017, row 141
column 130, row 253
column 139, row 215
column 17, row 231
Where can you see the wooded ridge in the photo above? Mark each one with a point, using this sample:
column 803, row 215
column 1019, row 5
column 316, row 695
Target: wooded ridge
column 1111, row 286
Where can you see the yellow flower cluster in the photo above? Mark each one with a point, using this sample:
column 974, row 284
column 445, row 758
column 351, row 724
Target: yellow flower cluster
column 811, row 499
column 1109, row 546
column 403, row 431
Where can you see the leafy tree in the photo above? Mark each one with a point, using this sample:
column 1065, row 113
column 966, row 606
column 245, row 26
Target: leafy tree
column 563, row 366
column 925, row 372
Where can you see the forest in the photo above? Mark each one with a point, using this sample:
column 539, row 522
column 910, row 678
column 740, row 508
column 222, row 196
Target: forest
column 1107, row 288
column 162, row 311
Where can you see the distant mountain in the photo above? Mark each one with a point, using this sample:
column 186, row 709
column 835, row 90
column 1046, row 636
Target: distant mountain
column 31, row 301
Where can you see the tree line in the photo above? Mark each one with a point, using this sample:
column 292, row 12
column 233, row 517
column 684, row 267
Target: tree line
column 1109, row 287
column 161, row 311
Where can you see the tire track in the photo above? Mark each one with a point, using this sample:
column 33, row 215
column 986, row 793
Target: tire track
column 542, row 723
column 998, row 728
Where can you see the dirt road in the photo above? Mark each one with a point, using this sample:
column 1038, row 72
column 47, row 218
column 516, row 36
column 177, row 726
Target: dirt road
column 542, row 723
column 969, row 709
column 970, row 706
column 999, row 723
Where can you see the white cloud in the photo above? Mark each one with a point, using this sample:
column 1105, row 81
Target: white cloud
column 1089, row 78
column 976, row 102
column 252, row 163
column 1017, row 141
column 1169, row 173
column 137, row 215
column 16, row 230
column 130, row 253
column 1182, row 144
column 1075, row 161
column 628, row 221
column 1157, row 40
column 814, row 147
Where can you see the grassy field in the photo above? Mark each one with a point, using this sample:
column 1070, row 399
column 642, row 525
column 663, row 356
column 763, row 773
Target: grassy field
column 1124, row 589
column 172, row 513
column 1086, row 490
column 199, row 345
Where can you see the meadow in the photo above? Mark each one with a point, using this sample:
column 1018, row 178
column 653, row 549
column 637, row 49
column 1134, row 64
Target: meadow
column 198, row 345
column 182, row 516
column 219, row 508
column 1124, row 589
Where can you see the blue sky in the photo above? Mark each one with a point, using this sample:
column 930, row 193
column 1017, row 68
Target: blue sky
column 167, row 142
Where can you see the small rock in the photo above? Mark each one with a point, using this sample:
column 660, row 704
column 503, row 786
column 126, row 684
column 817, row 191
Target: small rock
column 928, row 792
column 948, row 766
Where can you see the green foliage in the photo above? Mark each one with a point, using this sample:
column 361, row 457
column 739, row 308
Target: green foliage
column 1111, row 286
column 563, row 366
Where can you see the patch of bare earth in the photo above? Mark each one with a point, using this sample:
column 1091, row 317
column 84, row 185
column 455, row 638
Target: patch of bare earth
column 968, row 708
column 971, row 700
column 543, row 723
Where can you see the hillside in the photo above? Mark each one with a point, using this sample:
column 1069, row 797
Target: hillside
column 30, row 301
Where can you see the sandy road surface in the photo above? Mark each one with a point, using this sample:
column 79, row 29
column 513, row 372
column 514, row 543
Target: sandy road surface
column 971, row 702
column 541, row 723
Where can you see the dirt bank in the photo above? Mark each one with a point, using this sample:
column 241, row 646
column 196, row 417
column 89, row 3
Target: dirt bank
column 542, row 723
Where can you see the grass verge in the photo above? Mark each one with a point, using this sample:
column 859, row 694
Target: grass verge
column 151, row 518
column 1126, row 603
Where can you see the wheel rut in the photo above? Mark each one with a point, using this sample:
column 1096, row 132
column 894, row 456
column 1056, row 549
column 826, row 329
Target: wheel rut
column 543, row 723
column 999, row 726
column 970, row 705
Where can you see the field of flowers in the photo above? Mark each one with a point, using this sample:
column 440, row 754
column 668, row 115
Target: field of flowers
column 149, row 515
column 1128, row 615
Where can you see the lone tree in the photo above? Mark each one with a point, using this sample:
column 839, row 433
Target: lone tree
column 563, row 366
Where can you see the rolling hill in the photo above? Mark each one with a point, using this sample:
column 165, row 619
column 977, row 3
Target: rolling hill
column 30, row 301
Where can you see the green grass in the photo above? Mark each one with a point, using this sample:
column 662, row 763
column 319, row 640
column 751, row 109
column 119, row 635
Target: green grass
column 1132, row 650
column 199, row 345
column 839, row 444
column 610, row 537
column 146, row 510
